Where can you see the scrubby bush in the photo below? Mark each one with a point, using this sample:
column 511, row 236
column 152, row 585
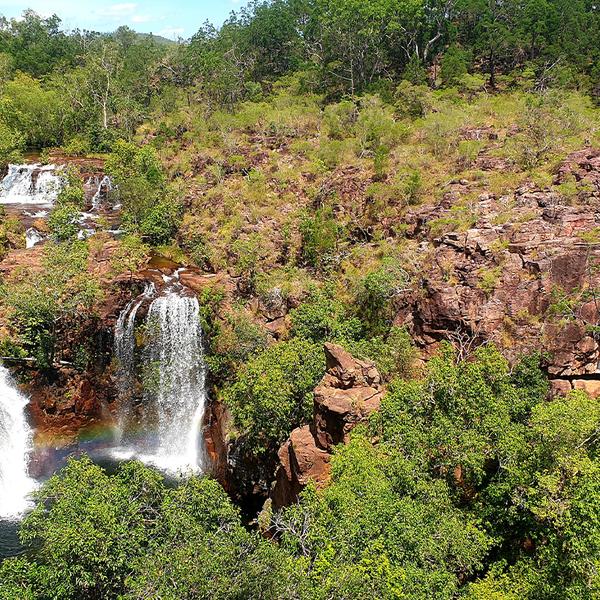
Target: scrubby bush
column 321, row 317
column 454, row 64
column 394, row 354
column 43, row 304
column 233, row 342
column 272, row 393
column 339, row 119
column 63, row 223
column 413, row 100
column 149, row 207
column 376, row 292
column 320, row 235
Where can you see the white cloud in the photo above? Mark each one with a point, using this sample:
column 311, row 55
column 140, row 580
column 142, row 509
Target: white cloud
column 117, row 11
column 141, row 18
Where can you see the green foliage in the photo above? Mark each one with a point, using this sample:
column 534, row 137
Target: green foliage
column 412, row 100
column 234, row 342
column 12, row 145
column 35, row 112
column 339, row 119
column 149, row 209
column 247, row 252
column 454, row 64
column 321, row 317
column 98, row 536
column 376, row 292
column 545, row 123
column 63, row 223
column 130, row 255
column 272, row 393
column 393, row 355
column 320, row 234
column 42, row 304
column 64, row 218
column 11, row 233
column 379, row 531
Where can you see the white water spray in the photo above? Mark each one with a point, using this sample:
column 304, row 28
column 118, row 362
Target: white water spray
column 173, row 373
column 30, row 184
column 104, row 188
column 15, row 447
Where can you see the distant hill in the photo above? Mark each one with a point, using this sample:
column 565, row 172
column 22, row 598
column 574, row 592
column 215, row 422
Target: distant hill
column 158, row 38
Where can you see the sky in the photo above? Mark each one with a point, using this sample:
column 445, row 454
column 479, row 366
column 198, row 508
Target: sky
column 169, row 18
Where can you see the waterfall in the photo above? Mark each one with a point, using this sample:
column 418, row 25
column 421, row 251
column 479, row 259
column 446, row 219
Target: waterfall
column 124, row 349
column 104, row 188
column 30, row 184
column 15, row 446
column 175, row 383
column 172, row 371
column 32, row 237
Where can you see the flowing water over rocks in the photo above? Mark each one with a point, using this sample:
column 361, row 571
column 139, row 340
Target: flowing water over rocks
column 29, row 192
column 31, row 184
column 161, row 424
column 15, row 447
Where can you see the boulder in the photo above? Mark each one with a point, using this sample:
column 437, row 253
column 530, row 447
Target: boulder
column 348, row 393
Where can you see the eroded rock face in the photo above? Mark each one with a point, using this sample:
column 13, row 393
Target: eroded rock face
column 348, row 393
column 524, row 275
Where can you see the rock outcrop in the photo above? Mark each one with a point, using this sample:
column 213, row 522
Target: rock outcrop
column 523, row 273
column 348, row 393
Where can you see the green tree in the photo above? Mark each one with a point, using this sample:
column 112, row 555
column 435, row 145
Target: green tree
column 272, row 393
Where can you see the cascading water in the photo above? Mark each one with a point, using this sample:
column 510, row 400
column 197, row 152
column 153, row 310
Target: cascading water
column 177, row 379
column 173, row 376
column 104, row 188
column 15, row 446
column 30, row 184
column 32, row 237
column 124, row 349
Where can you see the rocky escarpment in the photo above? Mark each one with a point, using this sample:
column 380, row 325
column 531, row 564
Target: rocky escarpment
column 524, row 275
column 348, row 393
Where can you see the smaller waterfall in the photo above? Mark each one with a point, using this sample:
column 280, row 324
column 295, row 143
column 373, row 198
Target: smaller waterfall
column 30, row 184
column 15, row 446
column 32, row 237
column 104, row 188
column 124, row 349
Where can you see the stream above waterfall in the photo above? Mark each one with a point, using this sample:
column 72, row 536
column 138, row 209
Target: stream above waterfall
column 29, row 191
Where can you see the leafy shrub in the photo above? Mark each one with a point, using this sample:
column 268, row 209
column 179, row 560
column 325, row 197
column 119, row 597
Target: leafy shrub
column 339, row 119
column 247, row 252
column 149, row 209
column 376, row 292
column 78, row 145
column 454, row 64
column 236, row 339
column 272, row 393
column 322, row 318
column 159, row 222
column 63, row 223
column 412, row 100
column 320, row 234
column 376, row 125
column 394, row 354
